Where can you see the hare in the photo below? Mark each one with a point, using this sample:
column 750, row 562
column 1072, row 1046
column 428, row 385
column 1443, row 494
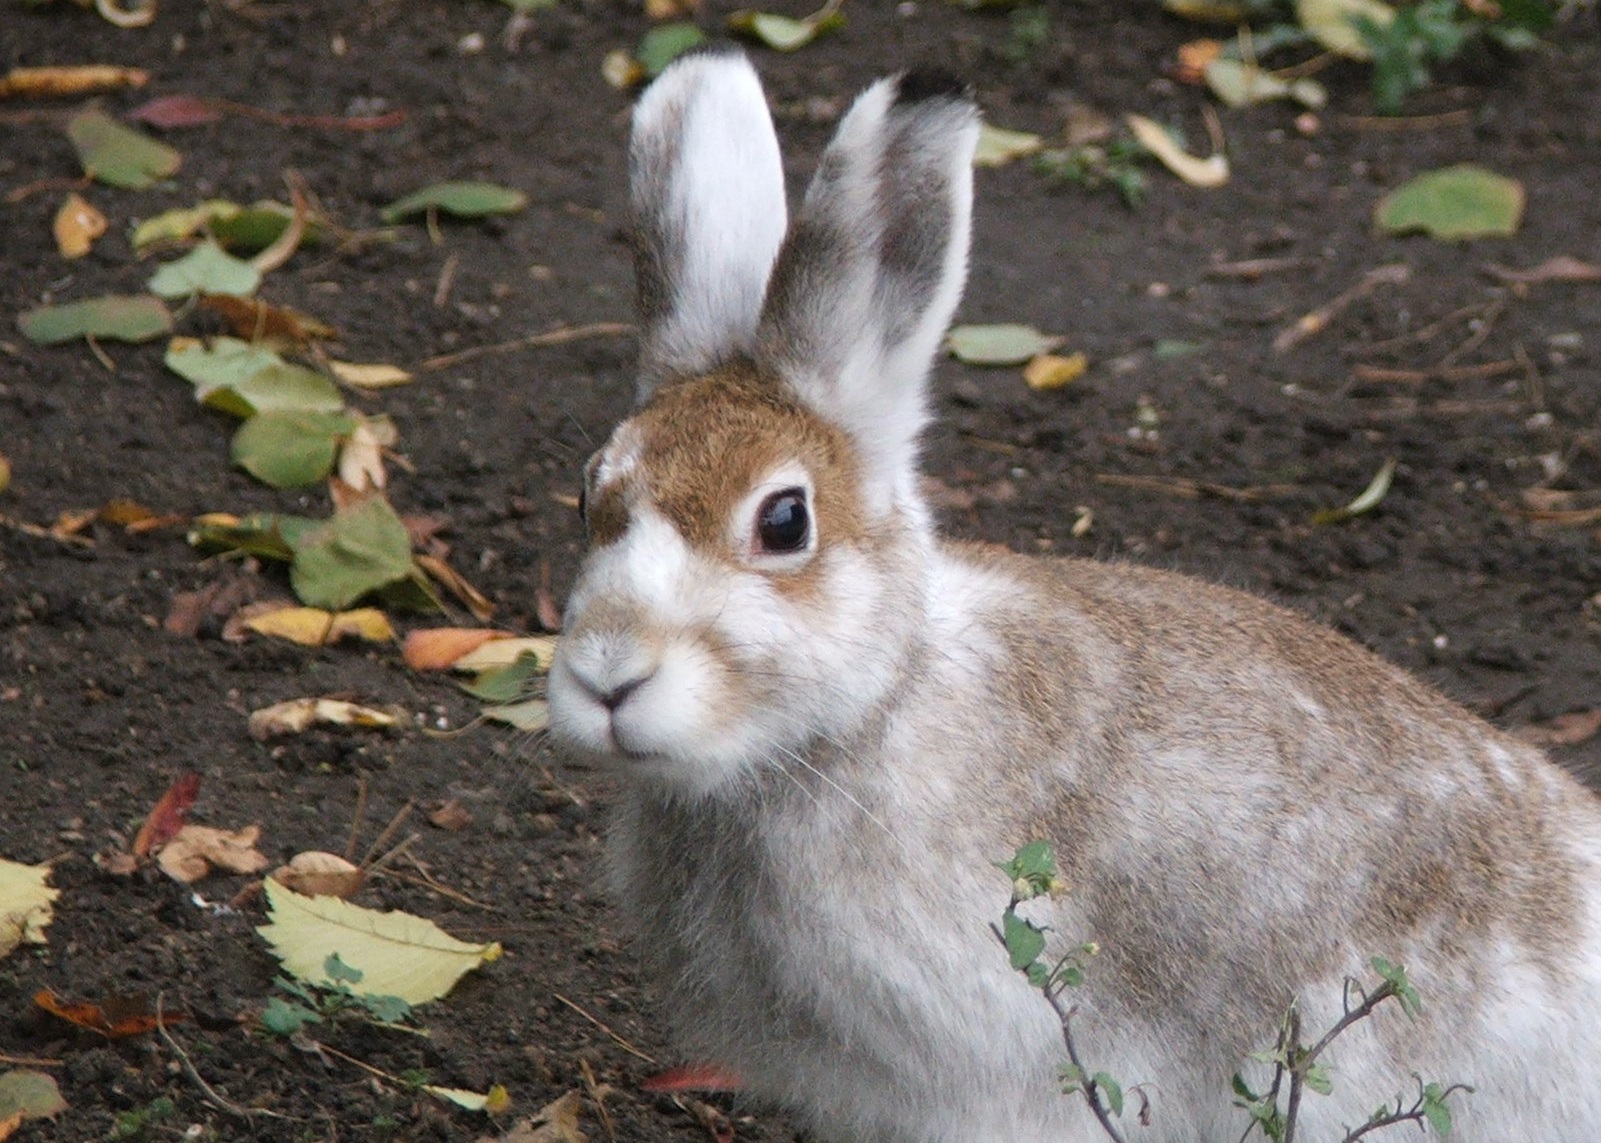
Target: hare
column 830, row 723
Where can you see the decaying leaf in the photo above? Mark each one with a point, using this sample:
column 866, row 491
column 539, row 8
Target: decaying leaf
column 1370, row 498
column 439, row 648
column 450, row 816
column 196, row 850
column 25, row 904
column 295, row 716
column 1564, row 730
column 114, row 1018
column 369, row 376
column 257, row 321
column 494, row 1101
column 29, row 1095
column 314, row 627
column 1006, row 343
column 361, row 454
column 481, row 606
column 168, row 816
column 532, row 715
column 693, row 1077
column 1208, row 173
column 76, row 226
column 1333, row 23
column 136, row 317
column 318, row 874
column 505, row 652
column 1240, row 84
column 557, row 1122
column 1454, row 203
column 510, row 683
column 785, row 33
column 118, row 155
column 1051, row 371
column 398, row 954
column 72, row 80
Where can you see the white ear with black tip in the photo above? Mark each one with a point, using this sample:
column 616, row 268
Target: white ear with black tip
column 873, row 268
column 707, row 196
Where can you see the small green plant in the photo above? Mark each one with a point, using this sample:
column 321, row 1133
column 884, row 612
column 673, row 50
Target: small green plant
column 136, row 1123
column 304, row 1003
column 1432, row 32
column 1093, row 165
column 1028, row 31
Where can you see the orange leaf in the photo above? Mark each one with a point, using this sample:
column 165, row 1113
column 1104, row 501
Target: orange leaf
column 83, row 79
column 118, row 1017
column 256, row 320
column 77, row 224
column 9, row 1125
column 438, row 648
column 168, row 817
column 693, row 1077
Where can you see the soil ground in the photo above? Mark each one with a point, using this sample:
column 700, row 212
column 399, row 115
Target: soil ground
column 100, row 707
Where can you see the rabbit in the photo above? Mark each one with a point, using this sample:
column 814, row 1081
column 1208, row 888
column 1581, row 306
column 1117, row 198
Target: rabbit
column 828, row 724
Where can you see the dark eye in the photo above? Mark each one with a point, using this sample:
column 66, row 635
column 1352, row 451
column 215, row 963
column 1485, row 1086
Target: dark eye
column 783, row 524
column 583, row 502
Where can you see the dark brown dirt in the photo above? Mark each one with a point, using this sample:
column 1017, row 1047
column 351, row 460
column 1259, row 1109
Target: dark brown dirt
column 100, row 708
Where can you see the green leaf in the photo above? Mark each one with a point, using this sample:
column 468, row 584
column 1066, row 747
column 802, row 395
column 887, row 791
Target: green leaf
column 506, row 684
column 385, row 1009
column 1002, row 344
column 360, row 550
column 265, row 534
column 118, row 155
column 244, row 379
column 1370, row 498
column 998, row 146
column 782, row 33
column 33, row 1095
column 292, row 447
column 1113, row 1091
column 224, row 361
column 208, row 269
column 665, row 43
column 1024, row 940
column 464, row 200
column 1436, row 1111
column 1460, row 202
column 1317, row 1078
column 136, row 317
column 283, row 1018
column 339, row 972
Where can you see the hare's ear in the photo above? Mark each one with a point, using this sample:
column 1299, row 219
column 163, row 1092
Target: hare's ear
column 707, row 193
column 873, row 268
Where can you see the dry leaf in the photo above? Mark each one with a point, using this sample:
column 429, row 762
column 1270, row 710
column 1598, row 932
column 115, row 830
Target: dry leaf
column 451, row 816
column 314, row 627
column 397, row 953
column 1049, row 371
column 168, row 816
column 298, row 715
column 1564, row 730
column 113, row 1018
column 438, row 648
column 505, row 652
column 454, row 582
column 1562, row 268
column 557, row 1122
column 1210, row 172
column 25, row 904
column 84, row 79
column 257, row 321
column 374, row 376
column 318, row 874
column 361, row 457
column 1193, row 58
column 77, row 224
column 191, row 854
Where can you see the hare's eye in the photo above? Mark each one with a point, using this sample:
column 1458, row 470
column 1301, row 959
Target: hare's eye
column 583, row 502
column 783, row 523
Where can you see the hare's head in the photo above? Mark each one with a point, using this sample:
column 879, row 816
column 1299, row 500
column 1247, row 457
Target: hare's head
column 758, row 543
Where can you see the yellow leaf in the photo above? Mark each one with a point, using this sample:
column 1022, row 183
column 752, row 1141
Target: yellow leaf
column 505, row 652
column 77, row 224
column 998, row 146
column 1049, row 371
column 314, row 873
column 1209, row 172
column 314, row 627
column 375, row 376
column 25, row 902
column 297, row 715
column 531, row 715
column 494, row 1101
column 1331, row 23
column 398, row 954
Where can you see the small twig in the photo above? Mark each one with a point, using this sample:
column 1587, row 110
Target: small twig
column 1090, row 1088
column 1428, row 332
column 1459, row 118
column 1477, row 337
column 447, row 277
column 561, row 335
column 1196, row 489
column 43, row 533
column 618, row 1040
column 598, row 1098
column 1381, row 374
column 210, row 1093
column 31, row 1061
column 389, row 831
column 1251, row 269
column 357, row 819
column 1318, row 320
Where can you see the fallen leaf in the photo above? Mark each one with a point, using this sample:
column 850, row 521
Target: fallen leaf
column 664, row 43
column 621, row 70
column 1193, row 59
column 243, row 379
column 450, row 816
column 318, row 874
column 290, row 448
column 1241, row 84
column 257, row 321
column 29, row 1095
column 531, row 716
column 439, row 648
column 1207, row 173
column 505, row 652
column 1209, row 11
column 207, row 269
column 195, row 849
column 169, row 111
column 72, row 80
column 693, row 1077
column 1332, row 23
column 557, row 1122
column 1454, row 203
column 359, row 550
column 1375, row 492
column 1001, row 344
column 1561, row 268
column 493, row 1101
column 115, row 1018
column 314, row 627
column 462, row 199
column 1049, row 371
column 785, row 33
column 134, row 318
column 118, row 155
column 361, row 454
column 1564, row 730
column 398, row 954
column 509, row 683
column 998, row 146
column 373, row 376
column 269, row 535
column 25, row 904
column 295, row 716
column 169, row 815
column 76, row 226
column 481, row 606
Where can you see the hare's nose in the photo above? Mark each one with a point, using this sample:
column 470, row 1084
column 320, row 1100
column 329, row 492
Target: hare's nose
column 614, row 697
